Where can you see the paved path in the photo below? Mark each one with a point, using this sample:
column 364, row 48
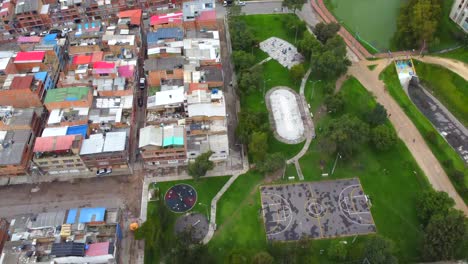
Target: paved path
column 309, row 131
column 408, row 132
column 457, row 67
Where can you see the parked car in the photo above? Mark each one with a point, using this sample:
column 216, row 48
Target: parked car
column 240, row 3
column 140, row 102
column 227, row 3
column 103, row 171
column 142, row 83
column 55, row 31
column 43, row 33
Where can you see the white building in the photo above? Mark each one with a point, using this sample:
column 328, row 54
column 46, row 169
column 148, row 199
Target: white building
column 459, row 14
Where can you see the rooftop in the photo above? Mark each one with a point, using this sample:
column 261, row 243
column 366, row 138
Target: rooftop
column 12, row 144
column 165, row 33
column 57, row 143
column 173, row 18
column 16, row 116
column 169, row 136
column 58, row 116
column 164, row 64
column 134, row 15
column 99, row 143
column 168, row 97
column 30, row 56
column 66, row 130
column 67, row 94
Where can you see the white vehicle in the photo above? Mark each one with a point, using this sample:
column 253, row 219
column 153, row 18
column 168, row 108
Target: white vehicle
column 142, row 83
column 103, row 171
column 43, row 33
column 240, row 3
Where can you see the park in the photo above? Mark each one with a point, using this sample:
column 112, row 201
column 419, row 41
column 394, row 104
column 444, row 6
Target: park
column 354, row 192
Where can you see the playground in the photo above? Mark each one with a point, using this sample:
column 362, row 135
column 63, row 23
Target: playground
column 180, row 198
column 316, row 210
column 371, row 21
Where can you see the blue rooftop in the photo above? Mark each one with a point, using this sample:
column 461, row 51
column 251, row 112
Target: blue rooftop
column 40, row 76
column 50, row 39
column 78, row 130
column 71, row 216
column 165, row 33
column 92, row 215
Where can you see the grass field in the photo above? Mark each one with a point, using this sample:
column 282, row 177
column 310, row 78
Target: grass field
column 441, row 149
column 460, row 54
column 240, row 224
column 373, row 20
column 447, row 86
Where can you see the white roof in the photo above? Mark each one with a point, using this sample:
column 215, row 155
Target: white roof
column 54, row 131
column 207, row 109
column 150, row 135
column 92, row 145
column 169, row 97
column 4, row 63
column 115, row 141
column 219, row 143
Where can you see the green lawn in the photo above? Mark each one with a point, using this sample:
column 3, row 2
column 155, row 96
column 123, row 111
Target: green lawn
column 374, row 21
column 266, row 26
column 441, row 149
column 447, row 86
column 460, row 54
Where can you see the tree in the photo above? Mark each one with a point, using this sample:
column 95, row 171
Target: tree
column 294, row 27
column 383, row 137
column 258, row 146
column 293, row 4
column 332, row 61
column 308, row 45
column 272, row 162
column 242, row 37
column 348, row 132
column 201, row 165
column 337, row 251
column 379, row 250
column 432, row 202
column 250, row 122
column 417, row 23
column 262, row 258
column 297, row 72
column 242, row 60
column 443, row 235
column 377, row 116
column 250, row 80
column 334, row 103
column 326, row 31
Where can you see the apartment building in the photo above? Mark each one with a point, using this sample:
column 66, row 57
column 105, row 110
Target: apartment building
column 106, row 150
column 163, row 146
column 32, row 15
column 15, row 152
column 459, row 14
column 162, row 70
column 22, row 90
column 70, row 97
column 4, row 225
column 58, row 155
column 7, row 28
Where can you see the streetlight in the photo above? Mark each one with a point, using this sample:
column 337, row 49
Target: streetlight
column 264, row 83
column 207, row 214
column 313, row 86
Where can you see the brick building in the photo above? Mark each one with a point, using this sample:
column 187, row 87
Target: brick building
column 70, row 97
column 22, row 91
column 162, row 70
column 32, row 15
column 4, row 226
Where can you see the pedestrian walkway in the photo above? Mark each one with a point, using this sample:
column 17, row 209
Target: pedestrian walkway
column 309, row 128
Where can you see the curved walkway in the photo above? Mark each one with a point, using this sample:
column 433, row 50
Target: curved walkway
column 408, row 132
column 309, row 129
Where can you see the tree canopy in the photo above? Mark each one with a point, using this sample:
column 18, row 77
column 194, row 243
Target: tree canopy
column 332, row 62
column 271, row 163
column 335, row 103
column 348, row 132
column 250, row 122
column 326, row 31
column 383, row 137
column 431, row 202
column 444, row 235
column 201, row 165
column 262, row 257
column 258, row 146
column 380, row 250
column 417, row 23
column 297, row 72
column 293, row 4
column 377, row 116
column 242, row 60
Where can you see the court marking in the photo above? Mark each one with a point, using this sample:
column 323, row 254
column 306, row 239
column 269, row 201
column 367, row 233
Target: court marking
column 290, row 215
column 347, row 211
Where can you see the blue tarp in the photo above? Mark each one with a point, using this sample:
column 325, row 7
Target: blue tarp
column 78, row 130
column 71, row 216
column 41, row 76
column 50, row 39
column 92, row 215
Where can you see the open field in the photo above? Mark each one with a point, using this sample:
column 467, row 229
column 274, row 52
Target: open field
column 460, row 54
column 449, row 88
column 441, row 149
column 371, row 20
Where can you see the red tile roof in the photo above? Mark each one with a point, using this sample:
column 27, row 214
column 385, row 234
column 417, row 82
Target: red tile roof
column 82, row 59
column 134, row 15
column 174, row 18
column 197, row 86
column 30, row 56
column 103, row 65
column 22, row 82
column 207, row 15
column 57, row 143
column 97, row 249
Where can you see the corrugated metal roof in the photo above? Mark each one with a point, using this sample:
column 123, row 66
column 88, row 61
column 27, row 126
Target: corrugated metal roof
column 30, row 56
column 57, row 143
column 115, row 141
column 166, row 18
column 97, row 249
column 165, row 33
column 92, row 215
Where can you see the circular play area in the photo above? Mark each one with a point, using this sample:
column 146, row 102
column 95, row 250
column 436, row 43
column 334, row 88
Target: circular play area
column 195, row 224
column 285, row 115
column 180, row 198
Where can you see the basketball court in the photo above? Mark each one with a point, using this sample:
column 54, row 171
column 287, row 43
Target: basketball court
column 316, row 210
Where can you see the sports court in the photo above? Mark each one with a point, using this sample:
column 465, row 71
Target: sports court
column 316, row 210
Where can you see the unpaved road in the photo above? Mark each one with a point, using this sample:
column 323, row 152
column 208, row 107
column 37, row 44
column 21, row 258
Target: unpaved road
column 407, row 131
